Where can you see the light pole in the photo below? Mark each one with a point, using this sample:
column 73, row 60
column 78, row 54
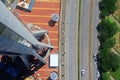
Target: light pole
column 54, row 76
column 54, row 19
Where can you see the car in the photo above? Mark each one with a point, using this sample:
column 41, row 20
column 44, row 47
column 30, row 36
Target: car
column 95, row 57
column 82, row 72
column 97, row 73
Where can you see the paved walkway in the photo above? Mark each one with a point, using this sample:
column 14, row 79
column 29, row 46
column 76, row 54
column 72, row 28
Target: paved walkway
column 40, row 15
column 115, row 20
column 111, row 77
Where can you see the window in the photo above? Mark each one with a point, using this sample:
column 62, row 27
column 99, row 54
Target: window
column 2, row 27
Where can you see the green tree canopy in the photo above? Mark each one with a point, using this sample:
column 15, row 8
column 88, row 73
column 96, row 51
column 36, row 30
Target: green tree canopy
column 107, row 29
column 109, row 60
column 107, row 7
column 105, row 65
column 115, row 62
column 107, row 44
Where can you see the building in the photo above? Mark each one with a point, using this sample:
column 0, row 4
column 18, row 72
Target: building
column 16, row 39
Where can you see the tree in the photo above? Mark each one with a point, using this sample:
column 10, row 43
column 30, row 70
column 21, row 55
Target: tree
column 107, row 7
column 107, row 29
column 104, row 59
column 115, row 62
column 109, row 60
column 107, row 44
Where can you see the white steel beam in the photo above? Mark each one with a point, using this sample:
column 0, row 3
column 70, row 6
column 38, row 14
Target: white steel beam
column 13, row 22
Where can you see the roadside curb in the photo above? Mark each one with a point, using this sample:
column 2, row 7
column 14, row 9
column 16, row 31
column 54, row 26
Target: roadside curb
column 62, row 51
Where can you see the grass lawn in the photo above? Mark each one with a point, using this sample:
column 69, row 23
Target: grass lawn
column 111, row 19
column 116, row 74
column 105, row 76
column 117, row 12
column 117, row 45
column 116, row 36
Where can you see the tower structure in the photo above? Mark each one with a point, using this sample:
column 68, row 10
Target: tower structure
column 17, row 38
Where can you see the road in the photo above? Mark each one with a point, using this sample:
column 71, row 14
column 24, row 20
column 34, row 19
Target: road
column 88, row 36
column 84, row 38
column 71, row 28
column 95, row 42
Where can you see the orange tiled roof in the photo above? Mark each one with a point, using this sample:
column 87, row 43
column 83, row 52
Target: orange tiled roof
column 40, row 15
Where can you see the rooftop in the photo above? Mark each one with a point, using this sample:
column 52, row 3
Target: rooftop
column 41, row 15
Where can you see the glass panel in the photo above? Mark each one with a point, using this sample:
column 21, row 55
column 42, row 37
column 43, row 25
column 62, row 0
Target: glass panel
column 1, row 27
column 4, row 31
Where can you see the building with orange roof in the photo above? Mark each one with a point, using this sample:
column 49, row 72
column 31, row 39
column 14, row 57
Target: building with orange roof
column 40, row 17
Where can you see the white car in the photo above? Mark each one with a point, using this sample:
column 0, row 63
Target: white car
column 82, row 72
column 98, row 73
column 95, row 57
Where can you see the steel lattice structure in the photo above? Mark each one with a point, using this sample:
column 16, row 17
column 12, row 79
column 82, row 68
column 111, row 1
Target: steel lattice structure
column 17, row 39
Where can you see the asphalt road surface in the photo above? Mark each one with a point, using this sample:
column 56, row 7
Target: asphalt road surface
column 84, row 39
column 95, row 42
column 88, row 36
column 71, row 22
column 71, row 29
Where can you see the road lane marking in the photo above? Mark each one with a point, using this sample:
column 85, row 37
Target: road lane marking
column 90, row 37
